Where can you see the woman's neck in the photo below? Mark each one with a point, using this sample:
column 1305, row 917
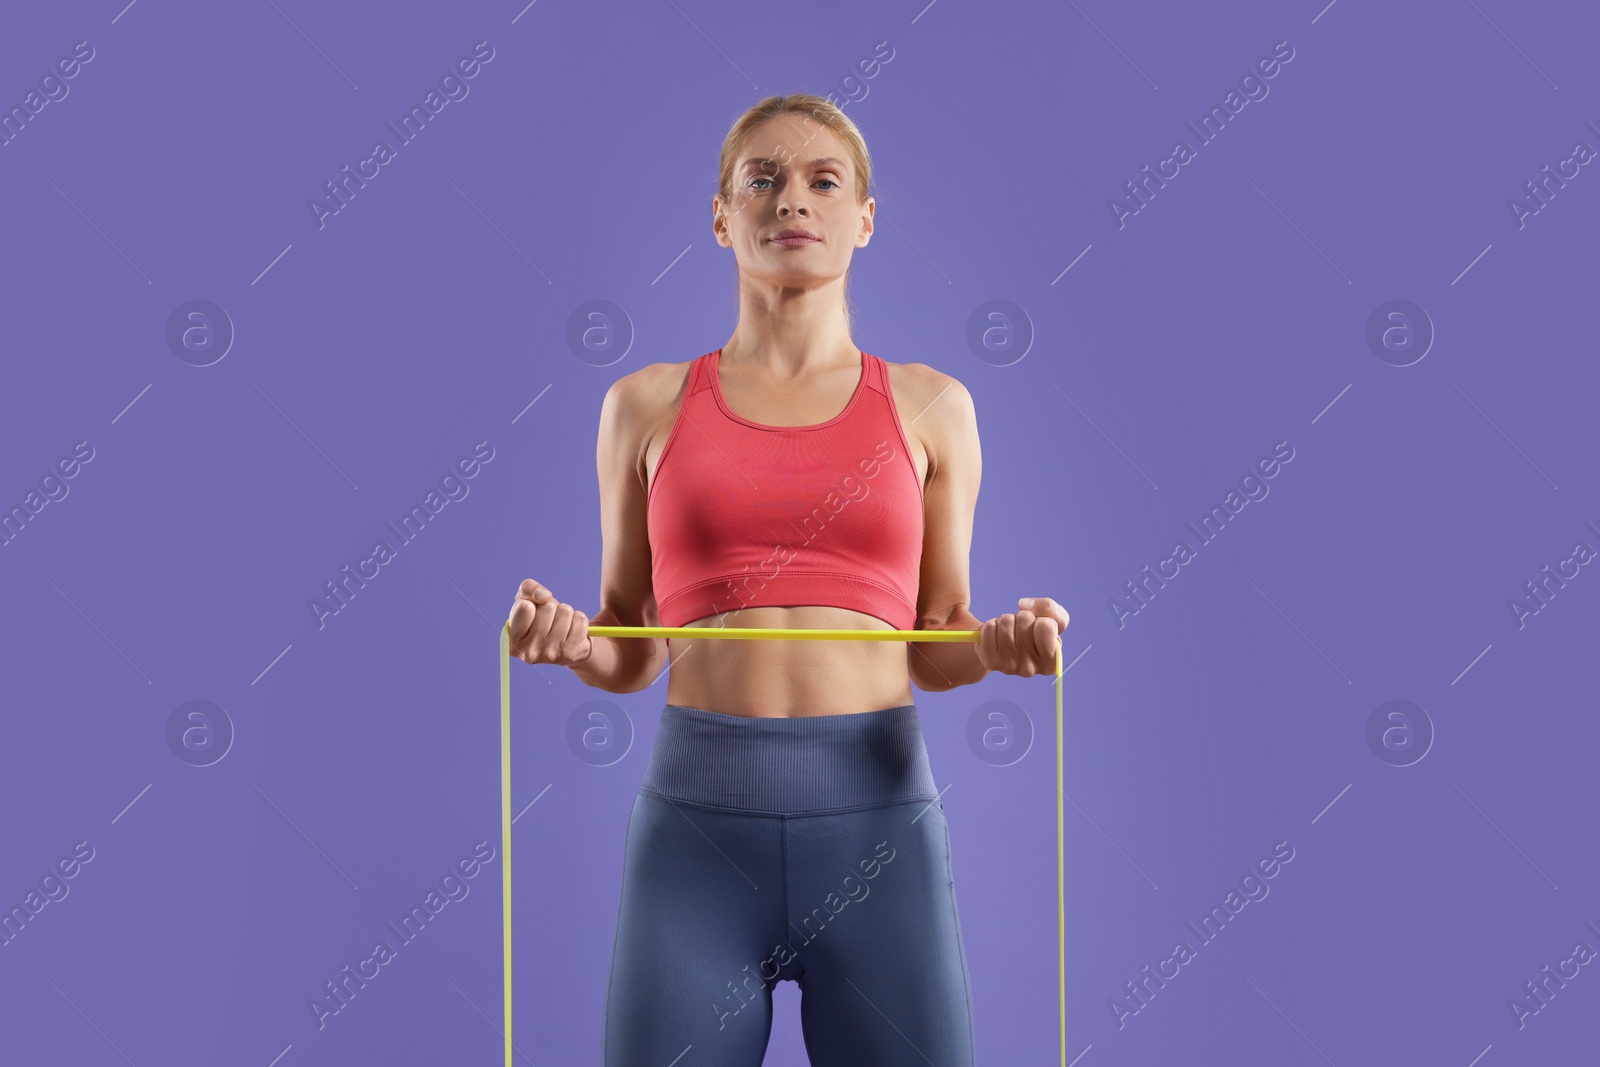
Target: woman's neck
column 791, row 332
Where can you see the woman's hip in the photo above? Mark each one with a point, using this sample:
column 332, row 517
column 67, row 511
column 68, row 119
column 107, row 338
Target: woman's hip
column 789, row 766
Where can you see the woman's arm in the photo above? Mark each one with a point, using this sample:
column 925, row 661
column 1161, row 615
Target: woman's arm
column 948, row 425
column 627, row 598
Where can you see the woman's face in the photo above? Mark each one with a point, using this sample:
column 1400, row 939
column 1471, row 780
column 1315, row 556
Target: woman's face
column 793, row 173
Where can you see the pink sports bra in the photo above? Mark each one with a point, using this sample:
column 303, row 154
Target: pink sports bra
column 741, row 514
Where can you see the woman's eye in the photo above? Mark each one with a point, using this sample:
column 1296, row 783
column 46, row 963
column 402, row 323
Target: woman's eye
column 833, row 184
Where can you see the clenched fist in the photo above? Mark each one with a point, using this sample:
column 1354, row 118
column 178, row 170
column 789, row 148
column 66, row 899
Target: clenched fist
column 544, row 630
column 1024, row 642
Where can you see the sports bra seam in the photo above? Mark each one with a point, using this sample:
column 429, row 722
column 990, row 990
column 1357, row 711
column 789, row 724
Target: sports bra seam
column 723, row 578
column 894, row 416
column 714, row 384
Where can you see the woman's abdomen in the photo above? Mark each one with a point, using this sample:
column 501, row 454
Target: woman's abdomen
column 786, row 678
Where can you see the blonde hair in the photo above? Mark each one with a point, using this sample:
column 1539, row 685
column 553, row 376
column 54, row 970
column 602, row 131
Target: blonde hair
column 825, row 113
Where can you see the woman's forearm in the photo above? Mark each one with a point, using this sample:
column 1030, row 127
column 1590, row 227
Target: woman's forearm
column 937, row 666
column 621, row 664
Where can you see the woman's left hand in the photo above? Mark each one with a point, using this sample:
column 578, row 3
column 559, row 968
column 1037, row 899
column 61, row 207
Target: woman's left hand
column 1024, row 643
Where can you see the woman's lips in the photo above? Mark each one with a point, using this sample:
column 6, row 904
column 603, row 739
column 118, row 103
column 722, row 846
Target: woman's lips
column 794, row 242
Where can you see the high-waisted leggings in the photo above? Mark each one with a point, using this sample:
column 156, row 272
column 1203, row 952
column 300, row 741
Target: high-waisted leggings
column 812, row 850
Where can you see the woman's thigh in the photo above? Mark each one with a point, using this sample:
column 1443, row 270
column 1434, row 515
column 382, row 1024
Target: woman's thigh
column 701, row 907
column 872, row 918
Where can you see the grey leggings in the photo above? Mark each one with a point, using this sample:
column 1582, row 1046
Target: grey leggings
column 812, row 850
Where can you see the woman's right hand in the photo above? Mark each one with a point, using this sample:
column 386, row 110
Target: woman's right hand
column 544, row 630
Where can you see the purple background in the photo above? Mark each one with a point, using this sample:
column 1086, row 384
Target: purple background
column 1229, row 314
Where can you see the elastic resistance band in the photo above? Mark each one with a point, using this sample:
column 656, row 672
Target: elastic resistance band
column 760, row 634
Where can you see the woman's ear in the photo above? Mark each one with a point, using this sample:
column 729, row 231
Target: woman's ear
column 719, row 221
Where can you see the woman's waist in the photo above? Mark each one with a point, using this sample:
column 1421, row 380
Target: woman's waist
column 743, row 689
column 802, row 764
column 788, row 678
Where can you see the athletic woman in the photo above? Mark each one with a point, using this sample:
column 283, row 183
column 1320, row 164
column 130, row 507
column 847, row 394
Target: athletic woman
column 787, row 826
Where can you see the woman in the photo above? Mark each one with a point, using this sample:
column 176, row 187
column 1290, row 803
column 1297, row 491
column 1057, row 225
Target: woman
column 788, row 825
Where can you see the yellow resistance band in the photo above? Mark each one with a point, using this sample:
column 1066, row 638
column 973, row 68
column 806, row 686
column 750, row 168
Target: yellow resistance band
column 757, row 634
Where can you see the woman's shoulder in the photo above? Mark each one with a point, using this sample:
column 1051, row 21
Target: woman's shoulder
column 653, row 387
column 917, row 386
column 643, row 404
column 936, row 410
